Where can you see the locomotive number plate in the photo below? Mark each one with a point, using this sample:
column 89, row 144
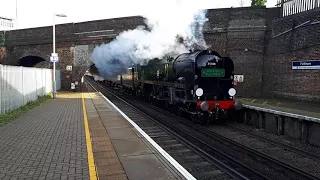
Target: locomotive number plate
column 205, row 72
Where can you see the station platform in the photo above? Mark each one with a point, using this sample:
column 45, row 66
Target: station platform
column 296, row 109
column 80, row 136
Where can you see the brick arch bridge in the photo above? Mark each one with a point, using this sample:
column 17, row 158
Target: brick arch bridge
column 74, row 44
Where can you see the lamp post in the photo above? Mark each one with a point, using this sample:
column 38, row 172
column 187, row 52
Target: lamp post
column 16, row 14
column 54, row 51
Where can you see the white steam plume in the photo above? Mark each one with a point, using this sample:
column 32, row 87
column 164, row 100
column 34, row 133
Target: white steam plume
column 185, row 19
column 98, row 78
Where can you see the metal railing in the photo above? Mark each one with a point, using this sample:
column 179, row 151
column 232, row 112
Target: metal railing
column 290, row 7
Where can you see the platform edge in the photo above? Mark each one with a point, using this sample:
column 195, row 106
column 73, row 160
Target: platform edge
column 293, row 115
column 172, row 161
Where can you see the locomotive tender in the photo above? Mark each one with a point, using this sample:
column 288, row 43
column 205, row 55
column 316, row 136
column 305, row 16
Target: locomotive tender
column 198, row 84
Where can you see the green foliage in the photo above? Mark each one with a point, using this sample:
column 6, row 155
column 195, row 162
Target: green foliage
column 7, row 117
column 258, row 3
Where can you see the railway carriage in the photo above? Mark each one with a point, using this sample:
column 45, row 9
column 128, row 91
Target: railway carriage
column 198, row 84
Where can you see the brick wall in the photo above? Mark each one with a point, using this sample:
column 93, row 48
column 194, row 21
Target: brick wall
column 240, row 34
column 302, row 43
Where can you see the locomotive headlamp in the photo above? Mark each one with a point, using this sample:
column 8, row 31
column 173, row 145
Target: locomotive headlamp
column 199, row 92
column 232, row 92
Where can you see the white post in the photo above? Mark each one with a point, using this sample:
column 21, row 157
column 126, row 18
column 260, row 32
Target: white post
column 54, row 64
column 16, row 14
column 54, row 89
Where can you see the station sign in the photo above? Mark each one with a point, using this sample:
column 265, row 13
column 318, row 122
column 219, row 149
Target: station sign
column 54, row 57
column 73, row 86
column 311, row 64
column 69, row 68
column 238, row 78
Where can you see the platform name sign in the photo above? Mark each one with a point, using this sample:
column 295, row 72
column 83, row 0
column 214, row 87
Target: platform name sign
column 312, row 64
column 54, row 57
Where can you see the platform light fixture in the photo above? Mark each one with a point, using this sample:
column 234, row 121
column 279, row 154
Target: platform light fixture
column 54, row 51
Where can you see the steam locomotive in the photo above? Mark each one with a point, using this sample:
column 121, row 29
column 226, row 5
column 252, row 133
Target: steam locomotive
column 198, row 84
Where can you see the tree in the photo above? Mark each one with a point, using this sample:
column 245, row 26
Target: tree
column 258, row 3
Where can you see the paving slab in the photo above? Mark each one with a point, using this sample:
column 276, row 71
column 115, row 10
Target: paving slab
column 149, row 167
column 47, row 142
column 137, row 147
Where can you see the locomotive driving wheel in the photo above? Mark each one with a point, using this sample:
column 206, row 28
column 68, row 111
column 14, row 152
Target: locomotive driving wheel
column 202, row 119
column 166, row 105
column 194, row 118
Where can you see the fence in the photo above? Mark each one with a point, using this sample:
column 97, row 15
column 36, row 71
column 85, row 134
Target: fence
column 289, row 7
column 19, row 85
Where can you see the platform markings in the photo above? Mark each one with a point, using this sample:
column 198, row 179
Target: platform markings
column 92, row 168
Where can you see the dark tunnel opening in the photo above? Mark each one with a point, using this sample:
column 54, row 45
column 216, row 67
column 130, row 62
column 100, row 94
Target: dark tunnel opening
column 30, row 61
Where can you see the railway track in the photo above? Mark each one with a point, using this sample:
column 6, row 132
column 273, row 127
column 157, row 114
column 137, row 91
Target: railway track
column 300, row 158
column 273, row 167
column 239, row 157
column 276, row 143
column 185, row 148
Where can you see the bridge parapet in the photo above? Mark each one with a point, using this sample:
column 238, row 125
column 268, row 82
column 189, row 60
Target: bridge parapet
column 73, row 32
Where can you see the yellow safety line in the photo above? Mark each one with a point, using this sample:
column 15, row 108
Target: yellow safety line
column 92, row 169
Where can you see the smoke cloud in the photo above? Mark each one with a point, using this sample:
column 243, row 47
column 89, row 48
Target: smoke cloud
column 166, row 20
column 97, row 78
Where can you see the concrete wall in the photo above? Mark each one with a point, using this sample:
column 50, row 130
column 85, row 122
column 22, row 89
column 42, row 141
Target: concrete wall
column 302, row 43
column 306, row 131
column 19, row 85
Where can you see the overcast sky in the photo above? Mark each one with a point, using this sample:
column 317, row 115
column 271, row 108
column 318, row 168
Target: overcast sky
column 36, row 13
